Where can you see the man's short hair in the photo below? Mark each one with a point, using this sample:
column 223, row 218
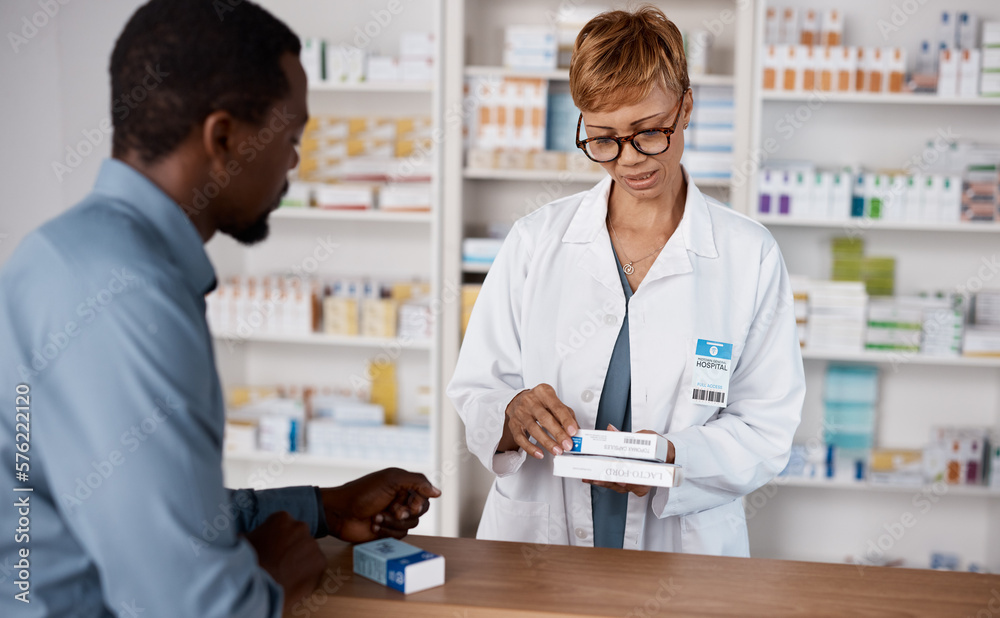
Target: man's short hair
column 177, row 61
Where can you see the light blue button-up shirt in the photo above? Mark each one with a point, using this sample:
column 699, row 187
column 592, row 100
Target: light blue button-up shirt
column 102, row 320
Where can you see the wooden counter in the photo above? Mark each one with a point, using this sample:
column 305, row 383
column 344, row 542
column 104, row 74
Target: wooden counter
column 485, row 578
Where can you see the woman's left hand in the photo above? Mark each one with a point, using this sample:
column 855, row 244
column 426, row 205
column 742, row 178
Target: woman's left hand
column 622, row 488
column 625, row 488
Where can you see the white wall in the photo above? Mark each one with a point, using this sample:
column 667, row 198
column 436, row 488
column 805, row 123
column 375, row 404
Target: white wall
column 56, row 85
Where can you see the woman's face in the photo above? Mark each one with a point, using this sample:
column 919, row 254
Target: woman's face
column 644, row 177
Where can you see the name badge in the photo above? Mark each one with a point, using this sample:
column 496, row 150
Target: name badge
column 710, row 378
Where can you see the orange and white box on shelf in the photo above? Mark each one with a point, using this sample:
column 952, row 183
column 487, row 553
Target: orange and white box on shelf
column 895, row 62
column 771, row 66
column 772, row 26
column 832, row 30
column 846, row 61
column 793, row 68
column 790, row 30
column 861, row 69
column 810, row 32
column 526, row 101
column 811, row 60
column 827, row 74
column 490, row 119
column 875, row 70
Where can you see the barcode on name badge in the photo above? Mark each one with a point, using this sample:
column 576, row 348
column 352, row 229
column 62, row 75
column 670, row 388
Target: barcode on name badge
column 705, row 395
column 638, row 441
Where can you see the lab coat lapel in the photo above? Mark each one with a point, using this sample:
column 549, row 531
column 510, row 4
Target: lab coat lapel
column 693, row 235
column 588, row 229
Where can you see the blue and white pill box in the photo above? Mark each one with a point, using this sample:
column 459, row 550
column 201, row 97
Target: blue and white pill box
column 645, row 446
column 399, row 565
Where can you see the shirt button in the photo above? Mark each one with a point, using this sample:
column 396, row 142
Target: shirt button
column 581, row 533
column 587, row 396
column 610, row 320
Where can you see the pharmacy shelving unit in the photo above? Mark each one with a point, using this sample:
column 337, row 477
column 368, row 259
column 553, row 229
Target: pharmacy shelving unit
column 386, row 246
column 807, row 519
column 474, row 199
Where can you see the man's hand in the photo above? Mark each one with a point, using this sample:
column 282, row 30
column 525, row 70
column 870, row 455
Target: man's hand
column 290, row 555
column 385, row 503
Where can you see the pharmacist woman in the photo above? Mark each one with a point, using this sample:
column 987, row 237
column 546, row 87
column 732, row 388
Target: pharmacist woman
column 595, row 311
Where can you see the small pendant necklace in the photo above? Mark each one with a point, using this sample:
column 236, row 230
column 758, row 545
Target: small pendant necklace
column 628, row 268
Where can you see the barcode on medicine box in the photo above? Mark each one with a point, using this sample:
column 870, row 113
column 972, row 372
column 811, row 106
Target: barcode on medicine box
column 638, row 441
column 704, row 395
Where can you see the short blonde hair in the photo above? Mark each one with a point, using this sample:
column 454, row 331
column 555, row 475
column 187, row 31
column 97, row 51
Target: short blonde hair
column 620, row 56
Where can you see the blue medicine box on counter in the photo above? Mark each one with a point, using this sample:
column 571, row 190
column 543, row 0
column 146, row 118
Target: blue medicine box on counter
column 399, row 565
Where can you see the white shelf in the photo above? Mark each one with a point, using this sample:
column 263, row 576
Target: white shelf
column 955, row 490
column 899, row 358
column 346, row 341
column 306, row 459
column 475, row 267
column 887, row 99
column 562, row 176
column 712, row 182
column 563, row 75
column 374, row 216
column 534, row 175
column 372, row 87
column 877, row 224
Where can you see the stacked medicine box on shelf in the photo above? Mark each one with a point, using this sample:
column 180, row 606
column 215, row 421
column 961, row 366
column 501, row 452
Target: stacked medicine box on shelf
column 896, row 136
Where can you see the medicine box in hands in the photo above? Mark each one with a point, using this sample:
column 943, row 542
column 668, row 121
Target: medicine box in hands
column 615, row 470
column 648, row 446
column 399, row 565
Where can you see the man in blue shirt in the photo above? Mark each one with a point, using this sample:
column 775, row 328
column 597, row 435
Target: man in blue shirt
column 113, row 444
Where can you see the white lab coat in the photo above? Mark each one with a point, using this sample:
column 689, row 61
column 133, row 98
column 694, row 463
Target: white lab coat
column 550, row 311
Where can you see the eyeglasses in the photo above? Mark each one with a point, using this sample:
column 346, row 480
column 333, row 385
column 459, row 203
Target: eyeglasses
column 649, row 142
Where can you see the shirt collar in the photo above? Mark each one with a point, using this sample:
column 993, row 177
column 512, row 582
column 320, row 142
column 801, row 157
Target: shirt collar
column 695, row 227
column 126, row 185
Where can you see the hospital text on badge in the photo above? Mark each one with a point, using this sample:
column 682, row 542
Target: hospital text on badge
column 710, row 375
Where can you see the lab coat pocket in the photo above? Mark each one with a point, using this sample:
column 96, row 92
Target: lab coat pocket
column 506, row 519
column 721, row 531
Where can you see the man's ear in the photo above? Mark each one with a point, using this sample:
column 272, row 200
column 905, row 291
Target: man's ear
column 688, row 105
column 218, row 137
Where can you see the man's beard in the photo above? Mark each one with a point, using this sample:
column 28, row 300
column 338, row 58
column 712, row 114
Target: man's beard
column 259, row 229
column 253, row 233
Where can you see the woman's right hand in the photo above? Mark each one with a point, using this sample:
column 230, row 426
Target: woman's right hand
column 537, row 413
